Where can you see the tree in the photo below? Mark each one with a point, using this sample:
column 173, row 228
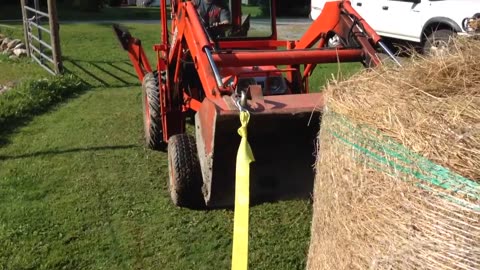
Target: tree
column 88, row 5
column 286, row 7
column 114, row 3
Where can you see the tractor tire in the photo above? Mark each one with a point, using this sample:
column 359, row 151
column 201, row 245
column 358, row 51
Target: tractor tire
column 438, row 42
column 152, row 121
column 185, row 178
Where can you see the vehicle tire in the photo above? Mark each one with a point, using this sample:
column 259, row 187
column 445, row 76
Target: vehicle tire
column 185, row 178
column 438, row 42
column 152, row 121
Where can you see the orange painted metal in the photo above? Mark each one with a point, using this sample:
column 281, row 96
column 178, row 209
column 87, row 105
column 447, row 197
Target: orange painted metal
column 189, row 81
column 263, row 44
column 287, row 57
column 326, row 22
column 187, row 33
column 191, row 103
column 348, row 9
column 138, row 58
column 311, row 66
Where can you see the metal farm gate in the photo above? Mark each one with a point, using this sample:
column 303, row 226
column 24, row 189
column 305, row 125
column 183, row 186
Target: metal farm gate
column 41, row 31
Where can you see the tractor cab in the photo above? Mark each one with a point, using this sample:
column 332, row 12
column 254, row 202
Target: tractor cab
column 263, row 26
column 240, row 23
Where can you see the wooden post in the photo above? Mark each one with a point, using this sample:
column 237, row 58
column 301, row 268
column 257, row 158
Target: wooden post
column 55, row 36
column 25, row 27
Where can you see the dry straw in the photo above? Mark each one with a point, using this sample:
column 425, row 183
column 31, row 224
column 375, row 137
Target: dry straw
column 398, row 169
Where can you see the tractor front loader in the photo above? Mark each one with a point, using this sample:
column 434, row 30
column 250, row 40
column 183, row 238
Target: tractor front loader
column 215, row 71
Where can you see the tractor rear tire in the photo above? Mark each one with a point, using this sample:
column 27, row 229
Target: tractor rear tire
column 185, row 178
column 152, row 121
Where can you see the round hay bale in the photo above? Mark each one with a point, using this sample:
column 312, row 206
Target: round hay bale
column 398, row 169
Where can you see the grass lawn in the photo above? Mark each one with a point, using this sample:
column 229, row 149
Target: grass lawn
column 79, row 191
column 13, row 12
column 14, row 71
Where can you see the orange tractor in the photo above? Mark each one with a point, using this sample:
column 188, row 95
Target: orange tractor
column 214, row 77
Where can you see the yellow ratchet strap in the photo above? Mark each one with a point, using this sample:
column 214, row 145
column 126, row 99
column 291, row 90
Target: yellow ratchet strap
column 242, row 198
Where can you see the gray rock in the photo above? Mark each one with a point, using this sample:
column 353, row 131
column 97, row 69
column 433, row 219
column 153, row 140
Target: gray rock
column 20, row 52
column 3, row 46
column 21, row 45
column 13, row 43
column 7, row 52
column 6, row 39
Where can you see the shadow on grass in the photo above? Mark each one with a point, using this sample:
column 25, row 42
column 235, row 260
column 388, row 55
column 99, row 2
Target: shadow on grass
column 31, row 98
column 23, row 106
column 12, row 124
column 68, row 151
column 109, row 74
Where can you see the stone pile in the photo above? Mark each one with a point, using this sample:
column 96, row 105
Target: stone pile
column 3, row 88
column 13, row 48
column 7, row 86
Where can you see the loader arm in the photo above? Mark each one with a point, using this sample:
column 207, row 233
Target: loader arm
column 337, row 17
column 190, row 36
column 135, row 51
column 340, row 18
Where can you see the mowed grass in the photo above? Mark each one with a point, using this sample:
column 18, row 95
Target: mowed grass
column 78, row 190
column 67, row 13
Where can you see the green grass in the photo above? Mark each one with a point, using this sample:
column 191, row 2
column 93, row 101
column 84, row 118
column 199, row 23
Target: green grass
column 32, row 97
column 327, row 72
column 65, row 13
column 13, row 12
column 14, row 71
column 112, row 13
column 78, row 190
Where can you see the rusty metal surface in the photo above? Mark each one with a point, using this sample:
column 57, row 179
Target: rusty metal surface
column 282, row 136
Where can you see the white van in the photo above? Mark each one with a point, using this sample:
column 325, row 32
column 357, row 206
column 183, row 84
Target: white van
column 427, row 22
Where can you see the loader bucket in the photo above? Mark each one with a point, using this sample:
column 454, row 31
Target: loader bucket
column 282, row 134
